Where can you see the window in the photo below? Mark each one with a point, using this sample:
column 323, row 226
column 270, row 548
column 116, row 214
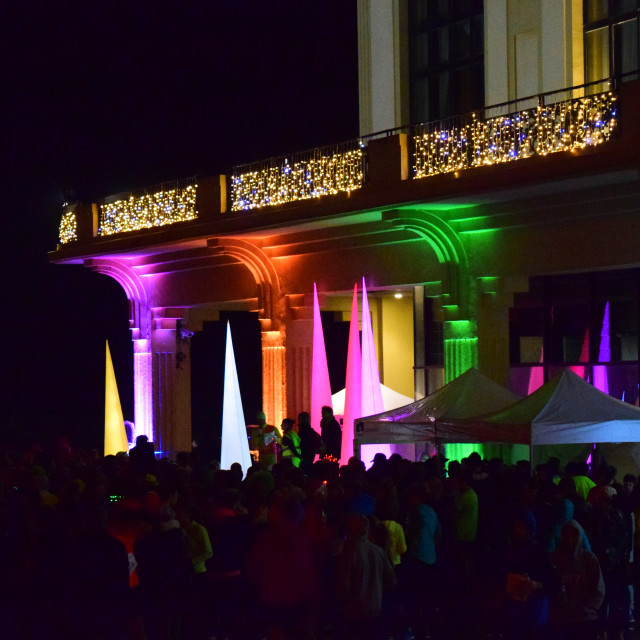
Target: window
column 446, row 58
column 578, row 321
column 610, row 38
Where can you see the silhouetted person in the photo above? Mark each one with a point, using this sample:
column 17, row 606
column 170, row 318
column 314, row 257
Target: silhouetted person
column 142, row 456
column 310, row 441
column 331, row 433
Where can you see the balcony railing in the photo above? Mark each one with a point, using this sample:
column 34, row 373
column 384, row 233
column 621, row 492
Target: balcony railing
column 301, row 176
column 470, row 141
column 565, row 120
column 155, row 207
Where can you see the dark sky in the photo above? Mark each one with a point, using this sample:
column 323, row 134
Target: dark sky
column 100, row 97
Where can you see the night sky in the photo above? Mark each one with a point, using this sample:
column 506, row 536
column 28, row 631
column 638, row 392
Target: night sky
column 101, row 97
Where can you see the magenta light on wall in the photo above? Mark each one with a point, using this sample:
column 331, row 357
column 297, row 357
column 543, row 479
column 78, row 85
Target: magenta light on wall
column 584, row 356
column 600, row 379
column 320, row 385
column 235, row 445
column 536, row 375
column 353, row 383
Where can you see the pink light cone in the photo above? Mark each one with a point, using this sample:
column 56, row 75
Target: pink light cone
column 353, row 383
column 536, row 377
column 584, row 355
column 371, row 390
column 600, row 378
column 320, row 385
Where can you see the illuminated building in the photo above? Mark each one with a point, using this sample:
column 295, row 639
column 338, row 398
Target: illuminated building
column 508, row 221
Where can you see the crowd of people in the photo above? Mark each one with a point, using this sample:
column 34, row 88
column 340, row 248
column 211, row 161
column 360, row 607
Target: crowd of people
column 134, row 547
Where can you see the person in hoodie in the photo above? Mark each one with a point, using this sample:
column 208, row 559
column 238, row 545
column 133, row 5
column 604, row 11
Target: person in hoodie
column 580, row 590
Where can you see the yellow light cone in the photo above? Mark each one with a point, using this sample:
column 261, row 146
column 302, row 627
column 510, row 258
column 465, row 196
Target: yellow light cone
column 115, row 435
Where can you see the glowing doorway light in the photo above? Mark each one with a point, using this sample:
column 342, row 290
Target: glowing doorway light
column 115, row 435
column 353, row 383
column 235, row 445
column 320, row 385
column 371, row 391
column 600, row 378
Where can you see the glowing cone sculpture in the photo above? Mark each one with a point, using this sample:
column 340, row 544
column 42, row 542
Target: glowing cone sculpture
column 320, row 385
column 235, row 444
column 371, row 390
column 353, row 383
column 600, row 378
column 115, row 435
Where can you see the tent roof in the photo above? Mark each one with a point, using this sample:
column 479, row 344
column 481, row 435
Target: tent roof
column 568, row 409
column 470, row 394
column 390, row 400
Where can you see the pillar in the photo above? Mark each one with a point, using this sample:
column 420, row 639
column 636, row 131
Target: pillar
column 274, row 375
column 171, row 373
column 493, row 335
column 299, row 356
column 460, row 347
column 143, row 388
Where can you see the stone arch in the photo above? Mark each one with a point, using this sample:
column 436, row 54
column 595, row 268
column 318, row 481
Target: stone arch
column 264, row 273
column 139, row 321
column 446, row 245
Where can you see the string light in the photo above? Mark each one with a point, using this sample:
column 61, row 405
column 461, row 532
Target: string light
column 312, row 174
column 563, row 126
column 149, row 210
column 68, row 228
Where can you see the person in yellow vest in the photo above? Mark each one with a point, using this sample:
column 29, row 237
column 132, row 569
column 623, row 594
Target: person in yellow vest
column 291, row 442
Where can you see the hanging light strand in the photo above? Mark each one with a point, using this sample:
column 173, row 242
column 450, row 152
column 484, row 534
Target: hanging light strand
column 311, row 174
column 563, row 126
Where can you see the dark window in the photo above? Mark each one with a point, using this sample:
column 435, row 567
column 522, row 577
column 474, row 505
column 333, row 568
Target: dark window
column 610, row 38
column 446, row 47
column 578, row 321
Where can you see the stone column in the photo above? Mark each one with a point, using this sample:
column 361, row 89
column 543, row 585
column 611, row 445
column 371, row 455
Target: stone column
column 171, row 385
column 143, row 388
column 460, row 347
column 493, row 336
column 299, row 357
column 494, row 298
column 274, row 375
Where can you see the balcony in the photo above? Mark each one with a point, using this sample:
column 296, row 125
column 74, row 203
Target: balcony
column 563, row 121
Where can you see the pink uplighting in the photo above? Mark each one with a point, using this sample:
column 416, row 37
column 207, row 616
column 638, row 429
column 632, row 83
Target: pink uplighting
column 600, row 379
column 320, row 385
column 353, row 383
column 584, row 356
column 536, row 377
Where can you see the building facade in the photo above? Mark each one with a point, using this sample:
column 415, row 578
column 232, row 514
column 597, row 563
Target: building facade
column 507, row 222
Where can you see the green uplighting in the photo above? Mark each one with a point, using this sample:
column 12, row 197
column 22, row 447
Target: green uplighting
column 460, row 354
column 477, row 231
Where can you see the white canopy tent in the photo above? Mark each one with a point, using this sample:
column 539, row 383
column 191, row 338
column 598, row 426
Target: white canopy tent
column 567, row 410
column 432, row 418
column 390, row 399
